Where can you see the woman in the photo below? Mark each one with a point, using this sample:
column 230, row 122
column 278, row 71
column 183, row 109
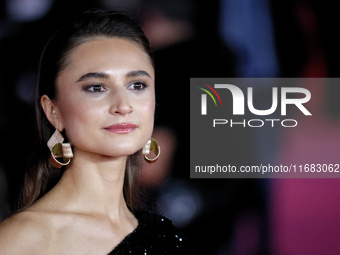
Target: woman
column 96, row 89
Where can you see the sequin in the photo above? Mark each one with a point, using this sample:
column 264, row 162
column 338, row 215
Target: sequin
column 155, row 235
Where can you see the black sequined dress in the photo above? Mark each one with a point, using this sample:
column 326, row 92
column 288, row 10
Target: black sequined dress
column 155, row 235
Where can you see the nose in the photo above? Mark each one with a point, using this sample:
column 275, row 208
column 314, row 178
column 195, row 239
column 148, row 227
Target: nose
column 120, row 104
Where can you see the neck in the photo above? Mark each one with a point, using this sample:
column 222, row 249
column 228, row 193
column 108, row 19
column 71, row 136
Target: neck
column 93, row 184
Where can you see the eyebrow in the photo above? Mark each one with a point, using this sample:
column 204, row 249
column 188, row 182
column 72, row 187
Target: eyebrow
column 101, row 75
column 137, row 73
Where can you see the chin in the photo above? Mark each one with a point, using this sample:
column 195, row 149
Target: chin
column 122, row 151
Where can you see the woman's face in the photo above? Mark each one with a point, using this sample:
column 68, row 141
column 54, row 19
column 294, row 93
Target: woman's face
column 106, row 97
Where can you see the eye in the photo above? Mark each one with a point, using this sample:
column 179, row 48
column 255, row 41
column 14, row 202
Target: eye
column 137, row 86
column 95, row 88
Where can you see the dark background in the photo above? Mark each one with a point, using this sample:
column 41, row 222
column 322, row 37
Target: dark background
column 223, row 38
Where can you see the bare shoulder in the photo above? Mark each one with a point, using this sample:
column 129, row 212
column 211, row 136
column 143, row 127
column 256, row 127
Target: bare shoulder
column 23, row 233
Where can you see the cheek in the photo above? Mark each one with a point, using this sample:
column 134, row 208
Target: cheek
column 147, row 112
column 78, row 119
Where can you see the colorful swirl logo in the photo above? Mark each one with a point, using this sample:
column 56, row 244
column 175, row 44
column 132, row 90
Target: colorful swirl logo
column 204, row 98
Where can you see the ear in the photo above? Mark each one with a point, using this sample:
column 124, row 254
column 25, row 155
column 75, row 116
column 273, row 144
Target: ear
column 52, row 113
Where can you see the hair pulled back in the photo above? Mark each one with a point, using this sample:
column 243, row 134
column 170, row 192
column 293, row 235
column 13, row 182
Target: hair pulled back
column 42, row 176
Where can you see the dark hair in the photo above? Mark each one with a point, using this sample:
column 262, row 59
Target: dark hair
column 42, row 176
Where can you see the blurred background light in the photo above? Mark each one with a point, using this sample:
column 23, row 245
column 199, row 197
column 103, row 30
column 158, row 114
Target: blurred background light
column 27, row 10
column 179, row 202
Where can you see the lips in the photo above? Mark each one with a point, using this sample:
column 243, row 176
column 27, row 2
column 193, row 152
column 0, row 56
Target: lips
column 121, row 128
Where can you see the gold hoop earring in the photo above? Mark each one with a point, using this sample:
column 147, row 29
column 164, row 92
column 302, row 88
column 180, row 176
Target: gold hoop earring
column 151, row 145
column 59, row 150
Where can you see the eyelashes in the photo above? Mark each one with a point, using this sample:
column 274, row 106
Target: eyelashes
column 99, row 88
column 95, row 88
column 137, row 86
